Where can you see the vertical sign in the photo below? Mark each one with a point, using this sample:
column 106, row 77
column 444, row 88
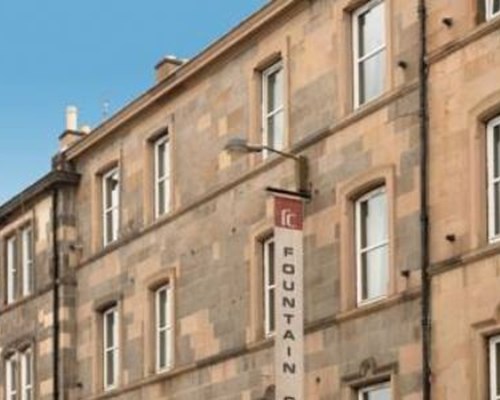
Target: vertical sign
column 289, row 307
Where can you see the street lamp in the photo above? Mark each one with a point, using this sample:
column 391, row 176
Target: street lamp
column 240, row 145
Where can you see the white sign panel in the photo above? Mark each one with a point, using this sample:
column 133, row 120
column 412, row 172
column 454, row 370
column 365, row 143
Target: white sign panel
column 289, row 335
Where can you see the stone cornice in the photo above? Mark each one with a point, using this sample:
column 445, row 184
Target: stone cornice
column 245, row 30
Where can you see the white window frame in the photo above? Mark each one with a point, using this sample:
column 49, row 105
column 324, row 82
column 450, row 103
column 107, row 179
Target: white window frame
column 493, row 342
column 360, row 250
column 11, row 261
column 112, row 350
column 113, row 209
column 168, row 328
column 355, row 47
column 165, row 179
column 27, row 240
column 26, row 384
column 269, row 319
column 368, row 389
column 11, row 393
column 277, row 112
column 492, row 181
column 490, row 13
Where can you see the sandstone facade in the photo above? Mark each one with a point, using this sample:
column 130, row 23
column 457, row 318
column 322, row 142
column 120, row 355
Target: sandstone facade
column 208, row 246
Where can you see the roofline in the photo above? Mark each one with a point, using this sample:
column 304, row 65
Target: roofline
column 210, row 54
column 52, row 180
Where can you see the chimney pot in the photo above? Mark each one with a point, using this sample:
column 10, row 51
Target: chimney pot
column 71, row 118
column 71, row 133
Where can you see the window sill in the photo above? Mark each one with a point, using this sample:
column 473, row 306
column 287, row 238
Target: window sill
column 5, row 308
column 484, row 28
column 487, row 250
column 378, row 305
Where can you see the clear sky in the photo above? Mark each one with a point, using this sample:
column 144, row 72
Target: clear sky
column 59, row 52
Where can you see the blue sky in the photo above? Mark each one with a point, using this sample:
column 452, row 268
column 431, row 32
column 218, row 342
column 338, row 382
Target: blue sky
column 59, row 52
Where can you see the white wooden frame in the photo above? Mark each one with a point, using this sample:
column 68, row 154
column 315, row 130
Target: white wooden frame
column 112, row 209
column 278, row 111
column 27, row 371
column 267, row 255
column 357, row 60
column 362, row 250
column 493, row 342
column 363, row 391
column 11, row 261
column 165, row 179
column 112, row 350
column 27, row 244
column 492, row 180
column 168, row 328
column 490, row 12
column 11, row 393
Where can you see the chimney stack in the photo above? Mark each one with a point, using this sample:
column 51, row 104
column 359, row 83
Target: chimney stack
column 167, row 67
column 71, row 133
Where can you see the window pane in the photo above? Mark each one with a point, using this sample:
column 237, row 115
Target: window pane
column 379, row 394
column 374, row 220
column 27, row 261
column 162, row 339
column 275, row 130
column 271, row 310
column 375, row 273
column 109, row 226
column 12, row 377
column 111, row 187
column 270, row 263
column 11, row 270
column 371, row 77
column 371, row 25
column 110, row 368
column 161, row 160
column 496, row 211
column 497, row 359
column 274, row 90
column 162, row 304
column 161, row 197
column 110, row 330
column 496, row 151
column 496, row 6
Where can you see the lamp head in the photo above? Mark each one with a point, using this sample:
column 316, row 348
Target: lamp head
column 241, row 145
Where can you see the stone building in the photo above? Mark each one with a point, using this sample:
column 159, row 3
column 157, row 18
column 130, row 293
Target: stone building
column 141, row 267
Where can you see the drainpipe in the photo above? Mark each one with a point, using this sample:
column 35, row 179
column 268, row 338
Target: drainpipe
column 55, row 266
column 424, row 212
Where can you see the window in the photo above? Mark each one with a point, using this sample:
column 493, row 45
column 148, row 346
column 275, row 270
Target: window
column 111, row 347
column 27, row 375
column 377, row 392
column 495, row 368
column 11, row 262
column 111, row 203
column 162, row 175
column 19, row 375
column 372, row 246
column 27, row 260
column 11, row 378
column 492, row 8
column 493, row 156
column 273, row 121
column 369, row 51
column 164, row 328
column 269, row 286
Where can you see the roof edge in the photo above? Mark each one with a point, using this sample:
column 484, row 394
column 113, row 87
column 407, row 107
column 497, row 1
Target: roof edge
column 52, row 180
column 245, row 29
